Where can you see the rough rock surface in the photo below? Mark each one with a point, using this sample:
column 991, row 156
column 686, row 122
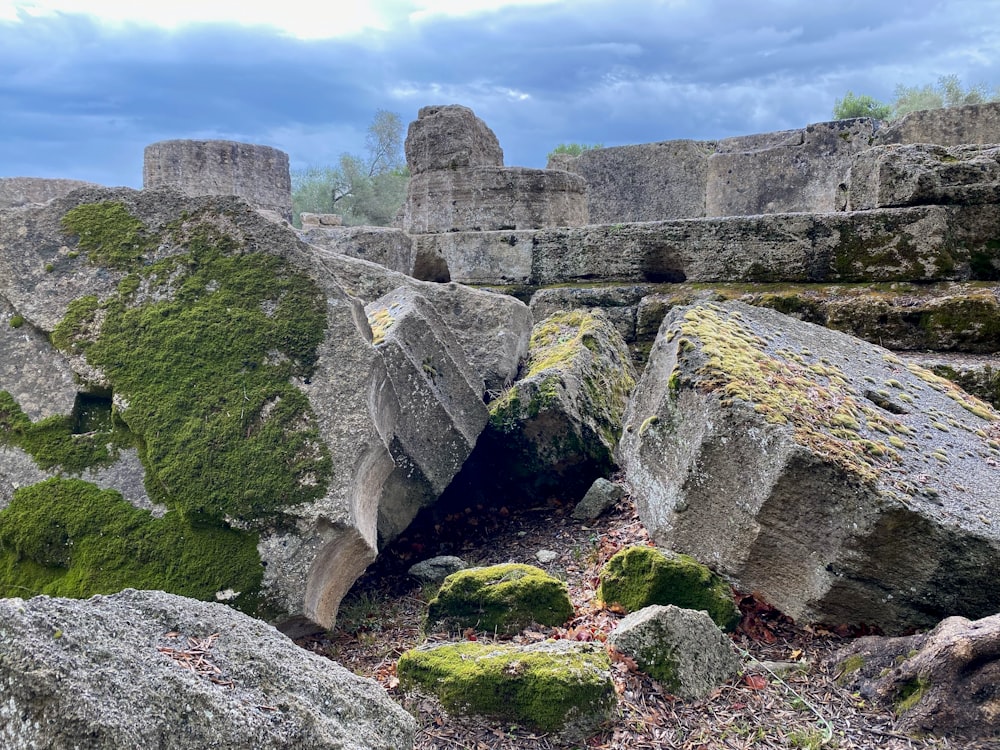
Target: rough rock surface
column 977, row 375
column 558, row 425
column 500, row 598
column 21, row 191
column 554, row 686
column 913, row 175
column 681, row 648
column 258, row 174
column 920, row 243
column 639, row 576
column 123, row 671
column 436, row 569
column 601, row 496
column 388, row 247
column 819, row 470
column 942, row 682
column 290, row 420
column 947, row 126
column 449, row 137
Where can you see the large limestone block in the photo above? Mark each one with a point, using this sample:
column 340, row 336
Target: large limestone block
column 489, row 198
column 386, row 246
column 946, row 126
column 913, row 175
column 647, row 182
column 797, row 170
column 449, row 137
column 430, row 407
column 21, row 191
column 238, row 385
column 149, row 669
column 816, row 469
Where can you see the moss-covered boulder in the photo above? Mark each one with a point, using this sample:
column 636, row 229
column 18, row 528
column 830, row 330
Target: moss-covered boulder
column 837, row 480
column 638, row 577
column 500, row 598
column 555, row 686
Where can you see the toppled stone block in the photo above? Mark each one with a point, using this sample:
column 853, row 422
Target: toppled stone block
column 639, row 577
column 126, row 671
column 942, row 682
column 682, row 649
column 553, row 686
column 450, row 137
column 320, row 220
column 945, row 126
column 386, row 246
column 924, row 174
column 500, row 598
column 816, row 469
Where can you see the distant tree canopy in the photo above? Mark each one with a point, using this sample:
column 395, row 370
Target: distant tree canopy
column 574, row 149
column 947, row 92
column 364, row 190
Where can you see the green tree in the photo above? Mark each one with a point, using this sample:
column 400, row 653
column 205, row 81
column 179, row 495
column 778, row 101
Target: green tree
column 363, row 190
column 860, row 106
column 574, row 149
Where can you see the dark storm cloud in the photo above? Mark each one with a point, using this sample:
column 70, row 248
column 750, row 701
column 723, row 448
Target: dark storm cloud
column 81, row 100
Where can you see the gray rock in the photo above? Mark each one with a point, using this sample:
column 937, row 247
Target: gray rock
column 436, row 569
column 545, row 556
column 123, row 672
column 946, row 126
column 450, row 137
column 601, row 496
column 558, row 425
column 816, row 469
column 681, row 648
column 618, row 302
column 913, row 175
column 941, row 682
column 320, row 220
column 978, row 375
column 386, row 246
column 258, row 174
column 491, row 198
column 22, row 191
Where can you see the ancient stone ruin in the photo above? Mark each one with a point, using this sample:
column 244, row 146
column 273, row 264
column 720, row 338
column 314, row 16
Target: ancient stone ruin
column 262, row 410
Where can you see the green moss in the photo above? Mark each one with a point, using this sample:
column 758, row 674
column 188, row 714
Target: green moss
column 67, row 537
column 17, row 321
column 640, row 576
column 502, row 598
column 910, row 694
column 108, row 232
column 849, row 666
column 543, row 690
column 206, row 370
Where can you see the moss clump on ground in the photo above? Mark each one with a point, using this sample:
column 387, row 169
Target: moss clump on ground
column 910, row 694
column 108, row 232
column 639, row 576
column 849, row 666
column 500, row 598
column 68, row 537
column 548, row 690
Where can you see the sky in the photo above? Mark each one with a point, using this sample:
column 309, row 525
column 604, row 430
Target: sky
column 85, row 85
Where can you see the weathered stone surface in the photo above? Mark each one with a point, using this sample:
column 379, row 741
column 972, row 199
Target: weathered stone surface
column 795, row 170
column 493, row 198
column 816, row 469
column 639, row 576
column 601, row 496
column 430, row 406
column 500, row 598
column 492, row 329
column 258, row 174
column 558, row 425
column 388, row 247
column 648, row 182
column 320, row 220
column 617, row 302
column 924, row 243
column 554, row 686
column 436, row 569
column 681, row 648
column 978, row 375
column 947, row 126
column 942, row 682
column 449, row 137
column 921, row 174
column 110, row 673
column 21, row 191
column 320, row 430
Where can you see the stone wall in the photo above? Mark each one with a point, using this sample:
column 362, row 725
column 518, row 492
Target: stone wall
column 21, row 191
column 951, row 126
column 258, row 174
